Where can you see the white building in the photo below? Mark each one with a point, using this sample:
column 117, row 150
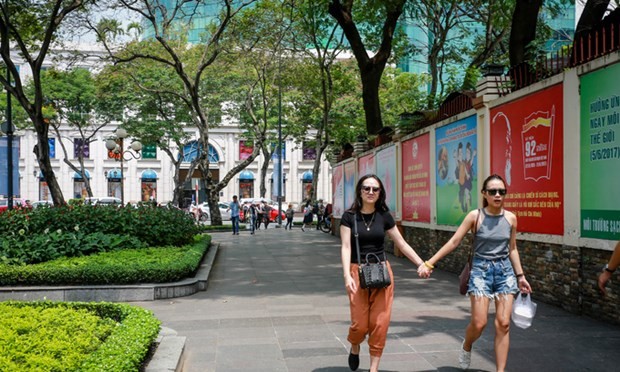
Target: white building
column 150, row 176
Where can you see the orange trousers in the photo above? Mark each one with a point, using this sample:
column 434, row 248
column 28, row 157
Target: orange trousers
column 371, row 310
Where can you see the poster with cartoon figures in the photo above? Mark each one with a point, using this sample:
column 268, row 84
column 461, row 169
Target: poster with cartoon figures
column 338, row 191
column 416, row 179
column 386, row 171
column 600, row 154
column 365, row 165
column 527, row 151
column 457, row 173
column 349, row 184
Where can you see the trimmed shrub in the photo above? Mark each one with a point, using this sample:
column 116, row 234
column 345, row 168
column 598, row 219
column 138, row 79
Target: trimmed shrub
column 75, row 336
column 145, row 265
column 43, row 234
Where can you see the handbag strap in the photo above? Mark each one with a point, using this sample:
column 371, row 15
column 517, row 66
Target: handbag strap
column 473, row 239
column 357, row 241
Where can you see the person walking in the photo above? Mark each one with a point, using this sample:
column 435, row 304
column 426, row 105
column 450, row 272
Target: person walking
column 307, row 216
column 609, row 269
column 495, row 262
column 266, row 213
column 370, row 309
column 253, row 216
column 290, row 213
column 234, row 208
column 259, row 215
column 320, row 210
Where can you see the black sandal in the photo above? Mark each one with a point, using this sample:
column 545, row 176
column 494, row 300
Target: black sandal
column 354, row 361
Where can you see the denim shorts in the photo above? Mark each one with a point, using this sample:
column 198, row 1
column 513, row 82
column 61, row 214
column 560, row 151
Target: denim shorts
column 492, row 278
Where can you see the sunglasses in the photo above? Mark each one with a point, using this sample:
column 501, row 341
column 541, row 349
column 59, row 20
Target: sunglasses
column 368, row 188
column 494, row 192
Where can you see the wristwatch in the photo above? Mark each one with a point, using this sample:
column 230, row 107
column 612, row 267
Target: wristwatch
column 606, row 268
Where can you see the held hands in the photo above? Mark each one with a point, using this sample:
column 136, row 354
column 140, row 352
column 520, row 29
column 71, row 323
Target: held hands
column 424, row 271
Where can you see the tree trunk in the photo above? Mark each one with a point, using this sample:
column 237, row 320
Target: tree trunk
column 42, row 152
column 592, row 14
column 523, row 29
column 370, row 69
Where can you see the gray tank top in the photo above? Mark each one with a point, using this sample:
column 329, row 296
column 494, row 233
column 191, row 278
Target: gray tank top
column 493, row 237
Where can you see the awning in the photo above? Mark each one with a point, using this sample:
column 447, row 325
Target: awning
column 148, row 175
column 78, row 176
column 307, row 176
column 246, row 175
column 114, row 174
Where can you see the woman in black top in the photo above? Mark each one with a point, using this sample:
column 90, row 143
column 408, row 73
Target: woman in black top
column 371, row 309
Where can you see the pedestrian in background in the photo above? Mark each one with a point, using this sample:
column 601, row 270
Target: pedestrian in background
column 259, row 215
column 290, row 213
column 609, row 269
column 320, row 210
column 371, row 309
column 495, row 262
column 266, row 213
column 253, row 216
column 234, row 208
column 307, row 216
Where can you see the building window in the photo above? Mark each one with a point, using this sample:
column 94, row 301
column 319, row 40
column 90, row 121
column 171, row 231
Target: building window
column 52, row 145
column 81, row 147
column 309, row 151
column 246, row 184
column 192, row 149
column 79, row 186
column 245, row 149
column 149, row 152
column 149, row 185
column 114, row 183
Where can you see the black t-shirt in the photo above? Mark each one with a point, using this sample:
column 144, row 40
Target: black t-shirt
column 371, row 234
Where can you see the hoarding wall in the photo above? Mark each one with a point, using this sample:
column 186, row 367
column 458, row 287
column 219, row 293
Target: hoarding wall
column 557, row 145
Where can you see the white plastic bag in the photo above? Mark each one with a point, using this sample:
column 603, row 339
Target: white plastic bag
column 523, row 311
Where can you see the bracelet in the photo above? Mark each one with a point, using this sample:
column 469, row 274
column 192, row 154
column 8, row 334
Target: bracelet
column 429, row 265
column 518, row 275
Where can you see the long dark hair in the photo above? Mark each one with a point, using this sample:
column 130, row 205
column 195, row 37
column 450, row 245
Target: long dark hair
column 490, row 178
column 380, row 204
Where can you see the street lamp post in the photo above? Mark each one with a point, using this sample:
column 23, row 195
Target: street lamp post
column 9, row 124
column 133, row 151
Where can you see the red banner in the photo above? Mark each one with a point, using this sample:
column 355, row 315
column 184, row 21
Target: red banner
column 527, row 151
column 416, row 179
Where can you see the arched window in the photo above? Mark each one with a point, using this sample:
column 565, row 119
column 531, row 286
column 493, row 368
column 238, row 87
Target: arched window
column 192, row 149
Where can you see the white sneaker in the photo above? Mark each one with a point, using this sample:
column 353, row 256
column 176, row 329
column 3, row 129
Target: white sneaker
column 464, row 357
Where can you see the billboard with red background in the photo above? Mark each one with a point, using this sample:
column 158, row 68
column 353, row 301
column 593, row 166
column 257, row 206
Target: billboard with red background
column 416, row 179
column 527, row 151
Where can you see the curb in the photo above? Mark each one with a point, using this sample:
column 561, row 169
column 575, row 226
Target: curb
column 168, row 354
column 118, row 293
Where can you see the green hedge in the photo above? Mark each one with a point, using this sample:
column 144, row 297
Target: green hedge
column 154, row 226
column 74, row 336
column 146, row 265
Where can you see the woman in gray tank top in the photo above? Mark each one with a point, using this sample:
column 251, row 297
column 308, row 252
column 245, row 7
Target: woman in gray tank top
column 495, row 262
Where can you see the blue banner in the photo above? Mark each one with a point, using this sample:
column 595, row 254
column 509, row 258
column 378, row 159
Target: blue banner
column 4, row 167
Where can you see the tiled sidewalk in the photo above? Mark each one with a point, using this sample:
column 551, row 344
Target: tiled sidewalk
column 276, row 302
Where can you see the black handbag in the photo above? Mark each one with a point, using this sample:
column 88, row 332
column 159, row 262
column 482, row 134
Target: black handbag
column 371, row 274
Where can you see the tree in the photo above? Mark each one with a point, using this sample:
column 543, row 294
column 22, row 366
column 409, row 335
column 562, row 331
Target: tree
column 167, row 25
column 32, row 28
column 523, row 30
column 370, row 68
column 151, row 115
column 314, row 37
column 76, row 101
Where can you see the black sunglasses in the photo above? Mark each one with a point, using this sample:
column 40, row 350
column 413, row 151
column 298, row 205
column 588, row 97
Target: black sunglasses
column 494, row 192
column 368, row 188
